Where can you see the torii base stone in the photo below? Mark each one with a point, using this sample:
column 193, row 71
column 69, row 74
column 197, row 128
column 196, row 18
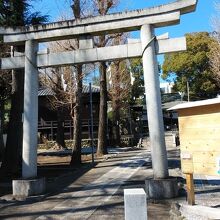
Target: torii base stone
column 28, row 187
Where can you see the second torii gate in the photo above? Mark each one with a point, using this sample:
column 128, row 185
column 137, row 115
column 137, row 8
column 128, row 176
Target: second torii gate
column 148, row 47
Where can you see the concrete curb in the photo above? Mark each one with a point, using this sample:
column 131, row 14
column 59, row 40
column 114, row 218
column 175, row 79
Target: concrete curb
column 202, row 212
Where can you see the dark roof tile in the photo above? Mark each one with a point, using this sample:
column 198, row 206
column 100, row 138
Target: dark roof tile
column 49, row 92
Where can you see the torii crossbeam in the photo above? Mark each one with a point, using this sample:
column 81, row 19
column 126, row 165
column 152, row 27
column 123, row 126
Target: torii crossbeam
column 160, row 16
column 148, row 47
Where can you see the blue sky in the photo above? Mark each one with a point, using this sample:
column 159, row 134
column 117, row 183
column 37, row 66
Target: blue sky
column 197, row 21
column 200, row 20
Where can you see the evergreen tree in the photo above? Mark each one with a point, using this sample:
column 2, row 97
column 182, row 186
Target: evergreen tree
column 193, row 66
column 137, row 89
column 16, row 13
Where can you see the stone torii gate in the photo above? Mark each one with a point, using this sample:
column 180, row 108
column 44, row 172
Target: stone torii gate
column 148, row 47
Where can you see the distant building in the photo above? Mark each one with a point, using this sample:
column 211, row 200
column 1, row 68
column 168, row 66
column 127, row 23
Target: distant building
column 166, row 87
column 47, row 117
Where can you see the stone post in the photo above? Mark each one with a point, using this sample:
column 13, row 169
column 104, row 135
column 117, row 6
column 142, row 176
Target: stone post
column 135, row 204
column 153, row 101
column 30, row 116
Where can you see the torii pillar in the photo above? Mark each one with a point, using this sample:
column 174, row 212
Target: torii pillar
column 30, row 184
column 153, row 102
column 30, row 115
column 161, row 186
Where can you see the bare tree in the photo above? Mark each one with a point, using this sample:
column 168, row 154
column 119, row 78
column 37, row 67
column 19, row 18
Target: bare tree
column 215, row 48
column 69, row 97
column 76, row 151
column 74, row 90
column 98, row 7
column 53, row 79
column 103, row 7
column 73, row 77
column 119, row 89
column 119, row 92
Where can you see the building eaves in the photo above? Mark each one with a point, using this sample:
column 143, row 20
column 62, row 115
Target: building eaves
column 50, row 92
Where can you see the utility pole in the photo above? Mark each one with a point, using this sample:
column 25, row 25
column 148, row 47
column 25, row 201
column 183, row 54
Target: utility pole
column 187, row 86
column 91, row 122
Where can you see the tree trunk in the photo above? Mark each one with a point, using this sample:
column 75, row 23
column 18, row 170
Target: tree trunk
column 116, row 103
column 77, row 123
column 60, row 128
column 102, row 132
column 12, row 158
column 115, row 128
column 2, row 112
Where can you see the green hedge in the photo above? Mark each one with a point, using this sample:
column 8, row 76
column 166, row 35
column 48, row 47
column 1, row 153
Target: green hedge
column 125, row 142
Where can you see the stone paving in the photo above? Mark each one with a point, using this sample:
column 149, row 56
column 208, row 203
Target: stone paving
column 96, row 194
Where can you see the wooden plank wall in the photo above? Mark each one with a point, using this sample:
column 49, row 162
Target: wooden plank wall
column 199, row 129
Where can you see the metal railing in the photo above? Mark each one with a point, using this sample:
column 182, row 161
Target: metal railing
column 49, row 128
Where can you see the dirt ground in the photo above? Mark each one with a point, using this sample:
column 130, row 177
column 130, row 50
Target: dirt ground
column 52, row 166
column 49, row 166
column 59, row 160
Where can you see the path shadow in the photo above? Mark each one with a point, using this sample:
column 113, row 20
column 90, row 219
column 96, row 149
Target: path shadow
column 57, row 177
